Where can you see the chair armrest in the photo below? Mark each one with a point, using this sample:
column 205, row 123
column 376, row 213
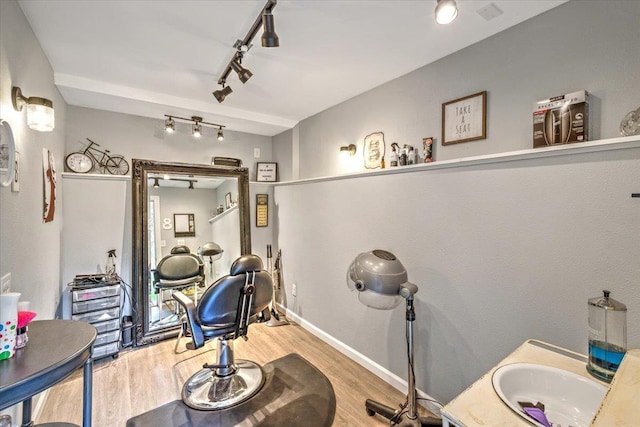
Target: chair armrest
column 190, row 310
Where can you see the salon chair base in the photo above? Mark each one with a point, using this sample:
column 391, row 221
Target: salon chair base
column 207, row 391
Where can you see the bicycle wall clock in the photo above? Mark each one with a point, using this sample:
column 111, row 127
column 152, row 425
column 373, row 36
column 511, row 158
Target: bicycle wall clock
column 7, row 154
column 91, row 157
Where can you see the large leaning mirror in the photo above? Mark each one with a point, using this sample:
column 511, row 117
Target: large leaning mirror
column 183, row 210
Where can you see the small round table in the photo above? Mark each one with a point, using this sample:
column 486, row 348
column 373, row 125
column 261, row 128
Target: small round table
column 56, row 348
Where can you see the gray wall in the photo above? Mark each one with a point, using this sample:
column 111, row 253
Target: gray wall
column 501, row 253
column 590, row 45
column 145, row 138
column 29, row 248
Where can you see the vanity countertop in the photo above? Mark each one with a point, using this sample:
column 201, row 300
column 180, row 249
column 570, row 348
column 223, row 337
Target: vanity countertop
column 479, row 405
column 620, row 405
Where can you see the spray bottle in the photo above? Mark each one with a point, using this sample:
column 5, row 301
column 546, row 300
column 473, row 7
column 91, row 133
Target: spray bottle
column 110, row 267
column 393, row 161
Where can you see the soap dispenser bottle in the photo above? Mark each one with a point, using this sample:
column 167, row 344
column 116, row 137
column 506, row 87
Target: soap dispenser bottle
column 607, row 336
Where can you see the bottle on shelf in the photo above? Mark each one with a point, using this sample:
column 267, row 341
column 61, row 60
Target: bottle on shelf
column 393, row 161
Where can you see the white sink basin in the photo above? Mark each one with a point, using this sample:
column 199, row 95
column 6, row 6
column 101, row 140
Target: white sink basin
column 569, row 399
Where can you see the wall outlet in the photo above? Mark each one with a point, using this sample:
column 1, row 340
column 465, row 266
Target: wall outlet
column 5, row 283
column 256, row 153
column 294, row 290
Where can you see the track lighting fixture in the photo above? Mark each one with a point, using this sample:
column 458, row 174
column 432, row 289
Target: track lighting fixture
column 220, row 135
column 170, row 125
column 156, row 182
column 269, row 39
column 40, row 113
column 243, row 73
column 269, row 36
column 196, row 128
column 221, row 94
column 446, row 11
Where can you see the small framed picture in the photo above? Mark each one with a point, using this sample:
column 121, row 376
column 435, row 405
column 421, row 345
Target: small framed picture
column 184, row 225
column 267, row 172
column 262, row 210
column 227, row 200
column 464, row 119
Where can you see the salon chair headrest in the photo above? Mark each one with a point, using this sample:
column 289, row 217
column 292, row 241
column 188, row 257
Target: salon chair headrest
column 181, row 249
column 245, row 264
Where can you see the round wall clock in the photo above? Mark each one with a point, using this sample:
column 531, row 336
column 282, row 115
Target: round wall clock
column 7, row 154
column 79, row 162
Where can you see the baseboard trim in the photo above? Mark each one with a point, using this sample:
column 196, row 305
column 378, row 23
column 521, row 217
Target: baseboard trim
column 378, row 370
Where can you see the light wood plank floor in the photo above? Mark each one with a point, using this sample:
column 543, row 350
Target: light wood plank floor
column 143, row 379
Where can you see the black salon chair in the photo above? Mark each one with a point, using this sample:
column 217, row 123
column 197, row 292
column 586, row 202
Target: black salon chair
column 225, row 311
column 177, row 271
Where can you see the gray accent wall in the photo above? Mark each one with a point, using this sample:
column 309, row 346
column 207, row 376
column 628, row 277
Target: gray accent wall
column 501, row 252
column 580, row 45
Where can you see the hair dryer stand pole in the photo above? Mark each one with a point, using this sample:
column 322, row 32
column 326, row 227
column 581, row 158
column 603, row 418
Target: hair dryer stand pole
column 400, row 417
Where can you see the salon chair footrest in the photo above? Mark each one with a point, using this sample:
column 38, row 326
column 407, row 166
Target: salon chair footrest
column 207, row 391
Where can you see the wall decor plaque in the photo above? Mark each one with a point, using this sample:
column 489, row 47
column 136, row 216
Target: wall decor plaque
column 262, row 210
column 374, row 148
column 267, row 172
column 464, row 119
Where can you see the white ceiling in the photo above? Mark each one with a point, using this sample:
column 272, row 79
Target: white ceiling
column 152, row 58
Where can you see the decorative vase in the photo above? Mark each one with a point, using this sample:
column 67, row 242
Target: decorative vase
column 8, row 324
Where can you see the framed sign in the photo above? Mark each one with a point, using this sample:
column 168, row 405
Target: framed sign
column 184, row 225
column 227, row 200
column 464, row 119
column 373, row 150
column 267, row 172
column 262, row 210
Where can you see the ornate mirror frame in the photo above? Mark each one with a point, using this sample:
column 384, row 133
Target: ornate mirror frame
column 140, row 192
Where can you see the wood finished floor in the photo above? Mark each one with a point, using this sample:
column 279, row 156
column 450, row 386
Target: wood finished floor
column 143, row 379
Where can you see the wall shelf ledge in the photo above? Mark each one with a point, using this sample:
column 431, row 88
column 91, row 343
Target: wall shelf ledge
column 622, row 143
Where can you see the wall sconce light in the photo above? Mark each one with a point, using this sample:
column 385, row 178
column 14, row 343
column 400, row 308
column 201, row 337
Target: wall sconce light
column 40, row 113
column 196, row 128
column 349, row 150
column 269, row 39
column 446, row 11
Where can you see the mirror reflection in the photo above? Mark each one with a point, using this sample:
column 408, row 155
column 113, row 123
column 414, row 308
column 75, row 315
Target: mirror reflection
column 192, row 222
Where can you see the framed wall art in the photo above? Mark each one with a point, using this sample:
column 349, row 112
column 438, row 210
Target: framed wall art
column 464, row 119
column 262, row 210
column 374, row 147
column 184, row 225
column 267, row 172
column 227, row 200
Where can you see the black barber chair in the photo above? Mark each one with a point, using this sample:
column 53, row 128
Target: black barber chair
column 225, row 311
column 178, row 270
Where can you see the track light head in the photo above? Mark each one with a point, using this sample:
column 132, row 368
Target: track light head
column 156, row 184
column 220, row 135
column 221, row 94
column 446, row 11
column 170, row 125
column 243, row 73
column 196, row 129
column 190, row 185
column 269, row 36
